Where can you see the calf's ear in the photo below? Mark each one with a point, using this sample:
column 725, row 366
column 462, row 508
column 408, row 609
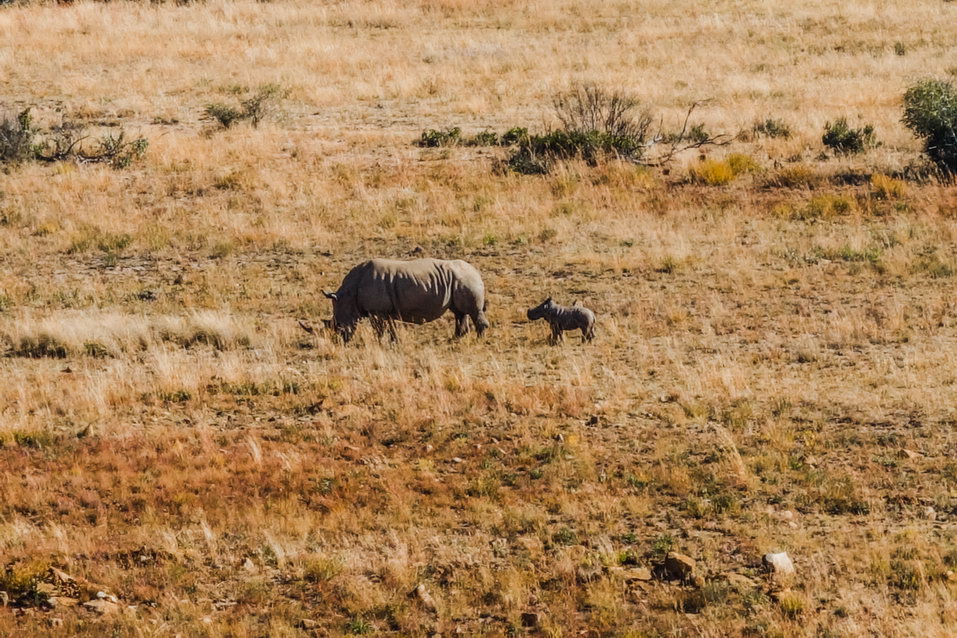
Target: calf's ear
column 330, row 295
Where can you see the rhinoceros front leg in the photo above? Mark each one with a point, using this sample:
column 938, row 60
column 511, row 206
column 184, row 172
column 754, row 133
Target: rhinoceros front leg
column 390, row 327
column 461, row 324
column 481, row 323
column 557, row 335
column 377, row 326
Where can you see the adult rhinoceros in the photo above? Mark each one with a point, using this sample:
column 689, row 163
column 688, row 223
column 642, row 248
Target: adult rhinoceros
column 416, row 291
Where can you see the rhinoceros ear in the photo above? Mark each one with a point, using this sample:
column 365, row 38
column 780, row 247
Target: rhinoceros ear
column 330, row 295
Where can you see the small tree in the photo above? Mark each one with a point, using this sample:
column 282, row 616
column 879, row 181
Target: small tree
column 255, row 108
column 16, row 137
column 930, row 111
column 597, row 124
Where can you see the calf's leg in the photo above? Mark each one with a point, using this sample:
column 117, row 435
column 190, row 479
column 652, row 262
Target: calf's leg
column 557, row 336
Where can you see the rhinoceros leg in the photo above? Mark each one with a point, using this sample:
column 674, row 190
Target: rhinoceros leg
column 481, row 323
column 377, row 326
column 383, row 325
column 461, row 324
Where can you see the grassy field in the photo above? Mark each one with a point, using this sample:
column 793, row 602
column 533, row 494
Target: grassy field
column 775, row 367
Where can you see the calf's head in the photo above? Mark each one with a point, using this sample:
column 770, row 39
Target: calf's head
column 541, row 310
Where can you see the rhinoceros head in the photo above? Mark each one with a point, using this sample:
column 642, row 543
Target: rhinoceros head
column 344, row 316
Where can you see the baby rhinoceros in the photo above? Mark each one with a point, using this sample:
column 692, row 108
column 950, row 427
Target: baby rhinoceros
column 562, row 318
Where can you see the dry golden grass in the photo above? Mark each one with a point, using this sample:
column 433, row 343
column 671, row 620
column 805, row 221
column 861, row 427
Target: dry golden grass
column 774, row 369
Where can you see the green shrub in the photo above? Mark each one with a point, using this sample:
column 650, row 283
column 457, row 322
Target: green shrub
column 20, row 141
column 930, row 111
column 485, row 138
column 536, row 153
column 840, row 137
column 772, row 128
column 16, row 138
column 595, row 124
column 433, row 138
column 262, row 103
column 513, row 136
column 254, row 109
column 223, row 113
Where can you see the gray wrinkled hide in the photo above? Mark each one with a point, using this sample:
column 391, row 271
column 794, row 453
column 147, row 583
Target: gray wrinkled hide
column 563, row 318
column 416, row 291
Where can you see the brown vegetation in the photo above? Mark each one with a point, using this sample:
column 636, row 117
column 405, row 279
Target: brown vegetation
column 774, row 370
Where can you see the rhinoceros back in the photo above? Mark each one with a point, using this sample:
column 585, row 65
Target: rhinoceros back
column 416, row 291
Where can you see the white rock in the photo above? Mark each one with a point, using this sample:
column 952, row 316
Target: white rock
column 424, row 597
column 779, row 563
column 102, row 607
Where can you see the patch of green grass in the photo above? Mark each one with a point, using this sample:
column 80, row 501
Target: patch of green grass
column 773, row 128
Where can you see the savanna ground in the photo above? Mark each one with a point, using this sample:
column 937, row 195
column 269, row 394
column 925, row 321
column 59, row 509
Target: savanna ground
column 775, row 368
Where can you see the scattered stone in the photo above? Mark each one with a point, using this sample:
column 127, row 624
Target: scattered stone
column 529, row 619
column 457, row 460
column 4, row 599
column 909, row 454
column 308, row 623
column 55, row 622
column 678, row 566
column 422, row 594
column 778, row 564
column 249, row 565
column 62, row 577
column 638, row 574
column 930, row 513
column 588, row 573
column 62, row 601
column 102, row 595
column 102, row 607
column 45, row 589
column 593, row 420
